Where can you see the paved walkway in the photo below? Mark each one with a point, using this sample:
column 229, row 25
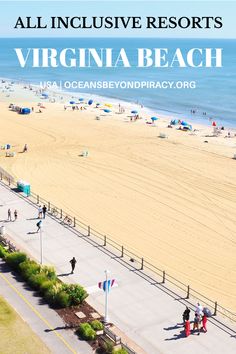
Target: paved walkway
column 147, row 313
column 45, row 322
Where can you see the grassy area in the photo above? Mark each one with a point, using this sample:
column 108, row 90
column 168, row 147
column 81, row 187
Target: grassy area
column 16, row 335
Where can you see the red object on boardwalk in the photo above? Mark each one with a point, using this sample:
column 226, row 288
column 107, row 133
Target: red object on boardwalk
column 187, row 328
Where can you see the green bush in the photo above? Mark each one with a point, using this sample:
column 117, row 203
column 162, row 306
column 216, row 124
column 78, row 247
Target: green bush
column 46, row 286
column 119, row 351
column 105, row 347
column 15, row 258
column 76, row 293
column 50, row 294
column 50, row 272
column 3, row 252
column 86, row 331
column 36, row 280
column 61, row 299
column 96, row 325
column 28, row 268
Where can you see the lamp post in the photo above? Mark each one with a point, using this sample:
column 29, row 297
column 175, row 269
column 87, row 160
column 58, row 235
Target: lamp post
column 106, row 320
column 41, row 245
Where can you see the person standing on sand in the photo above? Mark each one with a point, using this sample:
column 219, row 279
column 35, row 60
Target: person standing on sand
column 73, row 263
column 9, row 215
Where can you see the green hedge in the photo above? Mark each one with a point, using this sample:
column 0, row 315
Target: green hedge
column 3, row 252
column 86, row 332
column 97, row 325
column 76, row 293
column 44, row 279
column 119, row 351
column 14, row 259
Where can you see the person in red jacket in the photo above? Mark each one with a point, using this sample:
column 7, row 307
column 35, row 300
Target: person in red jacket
column 204, row 322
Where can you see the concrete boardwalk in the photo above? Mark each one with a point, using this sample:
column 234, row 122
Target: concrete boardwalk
column 147, row 313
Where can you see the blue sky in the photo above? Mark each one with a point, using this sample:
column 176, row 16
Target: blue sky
column 11, row 10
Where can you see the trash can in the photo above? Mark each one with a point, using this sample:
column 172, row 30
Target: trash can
column 24, row 187
column 2, row 230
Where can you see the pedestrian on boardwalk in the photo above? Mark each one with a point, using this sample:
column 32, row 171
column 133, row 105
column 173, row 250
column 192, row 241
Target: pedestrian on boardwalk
column 9, row 215
column 204, row 322
column 186, row 314
column 199, row 309
column 187, row 328
column 73, row 262
column 15, row 215
column 40, row 212
column 196, row 323
column 44, row 211
column 39, row 225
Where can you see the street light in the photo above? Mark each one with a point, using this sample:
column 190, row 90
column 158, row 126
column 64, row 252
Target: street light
column 41, row 245
column 106, row 320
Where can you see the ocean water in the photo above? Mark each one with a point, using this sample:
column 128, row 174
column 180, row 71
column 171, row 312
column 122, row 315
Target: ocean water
column 215, row 87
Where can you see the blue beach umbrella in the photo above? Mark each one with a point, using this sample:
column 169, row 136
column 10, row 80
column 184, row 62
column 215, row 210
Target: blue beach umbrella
column 134, row 112
column 72, row 102
column 154, row 118
column 81, row 99
column 44, row 94
column 90, row 102
column 107, row 110
column 185, row 124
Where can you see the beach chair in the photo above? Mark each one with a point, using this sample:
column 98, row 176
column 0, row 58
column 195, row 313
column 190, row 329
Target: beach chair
column 10, row 154
column 84, row 153
column 163, row 136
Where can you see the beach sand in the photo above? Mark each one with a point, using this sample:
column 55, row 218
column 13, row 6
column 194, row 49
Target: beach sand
column 172, row 201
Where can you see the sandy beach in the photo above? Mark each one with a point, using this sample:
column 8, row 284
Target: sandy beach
column 171, row 200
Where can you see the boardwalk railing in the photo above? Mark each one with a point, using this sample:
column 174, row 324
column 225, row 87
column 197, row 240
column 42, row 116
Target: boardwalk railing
column 138, row 263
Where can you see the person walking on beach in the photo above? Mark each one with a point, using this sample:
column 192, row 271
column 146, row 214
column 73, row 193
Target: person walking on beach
column 9, row 215
column 15, row 215
column 40, row 212
column 25, row 149
column 204, row 322
column 73, row 262
column 39, row 223
column 44, row 211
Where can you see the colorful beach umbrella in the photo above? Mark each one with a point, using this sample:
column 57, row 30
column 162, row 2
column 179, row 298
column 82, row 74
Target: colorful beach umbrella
column 107, row 110
column 81, row 99
column 108, row 105
column 154, row 118
column 134, row 112
column 90, row 102
column 72, row 102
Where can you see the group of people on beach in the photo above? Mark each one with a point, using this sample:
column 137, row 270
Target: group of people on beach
column 199, row 321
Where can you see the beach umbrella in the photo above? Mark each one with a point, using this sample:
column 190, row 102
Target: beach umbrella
column 81, row 99
column 72, row 102
column 107, row 110
column 90, row 102
column 134, row 112
column 108, row 105
column 154, row 118
column 44, row 94
column 184, row 123
column 214, row 124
